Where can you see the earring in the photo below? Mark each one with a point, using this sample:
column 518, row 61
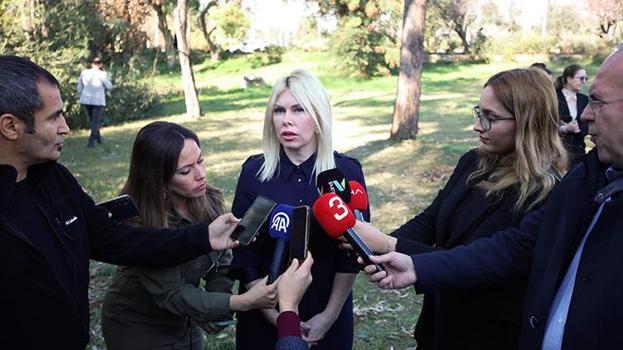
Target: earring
column 165, row 192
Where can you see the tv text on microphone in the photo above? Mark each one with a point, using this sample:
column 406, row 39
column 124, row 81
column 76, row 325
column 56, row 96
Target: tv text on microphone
column 337, row 219
column 358, row 199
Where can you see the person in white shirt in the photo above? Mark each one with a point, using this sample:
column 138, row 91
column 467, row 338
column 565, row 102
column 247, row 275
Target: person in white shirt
column 92, row 86
column 571, row 104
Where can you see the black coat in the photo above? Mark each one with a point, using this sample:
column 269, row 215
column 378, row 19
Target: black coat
column 38, row 310
column 293, row 185
column 573, row 142
column 545, row 244
column 486, row 317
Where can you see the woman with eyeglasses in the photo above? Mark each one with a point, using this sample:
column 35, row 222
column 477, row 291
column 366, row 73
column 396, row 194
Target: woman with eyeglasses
column 571, row 104
column 518, row 163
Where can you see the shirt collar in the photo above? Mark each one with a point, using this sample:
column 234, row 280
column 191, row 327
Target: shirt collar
column 175, row 219
column 287, row 168
column 568, row 93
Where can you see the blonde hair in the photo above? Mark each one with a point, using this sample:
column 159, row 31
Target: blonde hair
column 310, row 93
column 539, row 160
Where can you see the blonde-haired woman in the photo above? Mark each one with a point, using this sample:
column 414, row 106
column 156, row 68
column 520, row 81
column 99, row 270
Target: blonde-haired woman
column 518, row 163
column 297, row 146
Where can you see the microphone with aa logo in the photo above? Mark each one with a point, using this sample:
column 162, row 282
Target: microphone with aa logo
column 280, row 229
column 358, row 199
column 337, row 219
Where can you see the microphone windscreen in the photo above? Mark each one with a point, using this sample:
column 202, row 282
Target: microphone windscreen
column 358, row 196
column 280, row 222
column 333, row 214
column 333, row 180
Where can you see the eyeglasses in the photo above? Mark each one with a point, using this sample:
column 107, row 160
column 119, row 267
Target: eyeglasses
column 582, row 78
column 596, row 105
column 484, row 120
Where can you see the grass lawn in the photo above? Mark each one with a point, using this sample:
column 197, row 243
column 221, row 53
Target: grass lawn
column 402, row 178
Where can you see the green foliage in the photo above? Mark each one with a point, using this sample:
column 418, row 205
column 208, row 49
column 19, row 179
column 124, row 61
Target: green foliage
column 63, row 36
column 232, row 24
column 367, row 40
column 271, row 55
column 516, row 43
column 360, row 48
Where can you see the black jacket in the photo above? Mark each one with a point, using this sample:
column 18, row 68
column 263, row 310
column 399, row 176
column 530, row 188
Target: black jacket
column 37, row 310
column 545, row 244
column 573, row 142
column 485, row 317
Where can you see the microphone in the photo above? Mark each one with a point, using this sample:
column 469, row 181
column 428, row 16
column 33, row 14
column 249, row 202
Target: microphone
column 358, row 199
column 280, row 230
column 333, row 180
column 337, row 219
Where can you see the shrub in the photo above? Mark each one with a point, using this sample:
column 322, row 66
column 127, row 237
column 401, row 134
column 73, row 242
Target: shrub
column 361, row 48
column 270, row 55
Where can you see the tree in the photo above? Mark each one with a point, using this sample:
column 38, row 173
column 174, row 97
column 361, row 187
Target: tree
column 367, row 38
column 406, row 108
column 223, row 24
column 193, row 109
column 160, row 7
column 456, row 13
column 607, row 13
column 204, row 7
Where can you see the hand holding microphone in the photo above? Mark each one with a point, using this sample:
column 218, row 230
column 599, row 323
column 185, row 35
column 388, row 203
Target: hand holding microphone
column 337, row 219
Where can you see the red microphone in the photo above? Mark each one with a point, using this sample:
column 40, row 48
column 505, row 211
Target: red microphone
column 358, row 199
column 337, row 219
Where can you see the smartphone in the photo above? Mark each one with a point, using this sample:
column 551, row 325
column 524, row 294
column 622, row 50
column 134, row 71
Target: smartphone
column 121, row 207
column 225, row 323
column 253, row 219
column 300, row 233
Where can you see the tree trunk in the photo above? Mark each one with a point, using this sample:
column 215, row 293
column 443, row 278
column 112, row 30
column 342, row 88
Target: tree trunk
column 169, row 47
column 463, row 35
column 214, row 49
column 406, row 109
column 188, row 79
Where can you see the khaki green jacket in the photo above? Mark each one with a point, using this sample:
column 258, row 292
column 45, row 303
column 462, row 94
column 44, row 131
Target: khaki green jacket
column 150, row 300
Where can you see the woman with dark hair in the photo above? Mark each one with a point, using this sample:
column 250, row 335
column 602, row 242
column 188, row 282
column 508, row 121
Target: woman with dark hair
column 571, row 104
column 518, row 163
column 164, row 308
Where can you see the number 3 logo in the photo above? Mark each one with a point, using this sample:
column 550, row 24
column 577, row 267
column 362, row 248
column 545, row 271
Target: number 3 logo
column 340, row 205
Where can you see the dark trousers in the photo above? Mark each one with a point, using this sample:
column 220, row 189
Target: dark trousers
column 94, row 113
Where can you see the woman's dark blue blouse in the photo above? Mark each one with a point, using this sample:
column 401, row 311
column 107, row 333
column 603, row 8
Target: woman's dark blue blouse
column 293, row 185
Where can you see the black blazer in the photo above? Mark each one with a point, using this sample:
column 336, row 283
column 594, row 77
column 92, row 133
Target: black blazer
column 545, row 244
column 485, row 317
column 573, row 142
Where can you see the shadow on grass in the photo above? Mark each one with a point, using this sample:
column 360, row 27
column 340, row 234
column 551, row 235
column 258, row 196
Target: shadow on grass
column 213, row 100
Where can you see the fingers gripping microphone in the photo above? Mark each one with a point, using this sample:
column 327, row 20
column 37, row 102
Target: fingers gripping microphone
column 333, row 180
column 280, row 230
column 358, row 199
column 336, row 219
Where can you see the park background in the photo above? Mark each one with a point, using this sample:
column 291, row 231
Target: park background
column 355, row 49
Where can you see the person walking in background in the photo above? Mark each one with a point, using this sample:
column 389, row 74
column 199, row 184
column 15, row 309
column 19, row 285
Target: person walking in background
column 50, row 228
column 92, row 86
column 164, row 308
column 571, row 104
